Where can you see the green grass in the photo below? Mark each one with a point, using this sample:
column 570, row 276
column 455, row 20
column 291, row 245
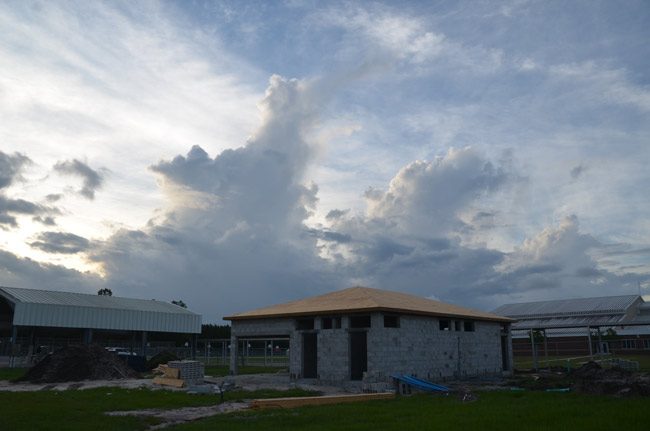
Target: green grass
column 84, row 409
column 224, row 370
column 12, row 373
column 525, row 362
column 492, row 411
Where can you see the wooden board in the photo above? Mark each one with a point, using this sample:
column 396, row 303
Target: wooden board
column 288, row 403
column 166, row 381
column 167, row 371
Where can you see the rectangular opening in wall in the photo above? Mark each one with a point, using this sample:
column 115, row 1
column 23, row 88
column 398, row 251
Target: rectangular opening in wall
column 505, row 356
column 360, row 322
column 326, row 323
column 358, row 354
column 391, row 321
column 444, row 324
column 304, row 324
column 469, row 326
column 457, row 325
column 309, row 355
column 336, row 322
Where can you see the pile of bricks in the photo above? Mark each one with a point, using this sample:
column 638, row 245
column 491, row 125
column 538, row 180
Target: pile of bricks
column 192, row 372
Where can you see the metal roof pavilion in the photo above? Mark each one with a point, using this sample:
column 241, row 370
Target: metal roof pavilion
column 46, row 308
column 574, row 313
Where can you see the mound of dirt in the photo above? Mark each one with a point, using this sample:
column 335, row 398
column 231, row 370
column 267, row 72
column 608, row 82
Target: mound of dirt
column 161, row 358
column 591, row 378
column 76, row 363
column 591, row 370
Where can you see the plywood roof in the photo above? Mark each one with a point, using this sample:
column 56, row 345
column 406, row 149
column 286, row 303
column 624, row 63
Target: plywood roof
column 365, row 299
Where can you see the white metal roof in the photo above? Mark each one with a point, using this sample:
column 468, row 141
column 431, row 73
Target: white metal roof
column 33, row 307
column 569, row 307
column 571, row 313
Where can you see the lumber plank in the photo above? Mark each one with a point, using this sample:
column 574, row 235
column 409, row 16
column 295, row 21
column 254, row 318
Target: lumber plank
column 166, row 381
column 293, row 402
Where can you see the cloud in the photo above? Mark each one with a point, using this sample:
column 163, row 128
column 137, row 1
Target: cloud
column 10, row 208
column 10, row 167
column 47, row 221
column 576, row 171
column 234, row 228
column 60, row 242
column 27, row 273
column 396, row 36
column 92, row 179
column 426, row 196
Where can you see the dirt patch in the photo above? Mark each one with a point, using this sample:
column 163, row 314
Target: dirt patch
column 185, row 414
column 590, row 378
column 76, row 363
column 593, row 379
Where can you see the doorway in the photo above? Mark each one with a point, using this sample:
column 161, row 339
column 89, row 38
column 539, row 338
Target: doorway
column 309, row 355
column 358, row 354
column 505, row 356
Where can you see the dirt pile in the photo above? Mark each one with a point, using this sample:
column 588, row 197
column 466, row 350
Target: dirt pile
column 593, row 379
column 75, row 363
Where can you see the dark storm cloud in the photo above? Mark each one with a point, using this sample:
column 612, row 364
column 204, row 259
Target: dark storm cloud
column 92, row 179
column 10, row 208
column 10, row 167
column 27, row 273
column 60, row 242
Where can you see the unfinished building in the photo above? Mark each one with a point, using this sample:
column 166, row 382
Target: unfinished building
column 370, row 334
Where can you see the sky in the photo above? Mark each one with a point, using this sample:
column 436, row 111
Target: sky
column 239, row 154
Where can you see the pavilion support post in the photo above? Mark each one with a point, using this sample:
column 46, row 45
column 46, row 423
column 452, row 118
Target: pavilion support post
column 195, row 341
column 591, row 349
column 144, row 344
column 534, row 350
column 87, row 336
column 14, row 347
column 234, row 347
column 546, row 349
column 600, row 342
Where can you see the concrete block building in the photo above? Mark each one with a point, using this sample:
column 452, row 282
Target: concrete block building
column 368, row 334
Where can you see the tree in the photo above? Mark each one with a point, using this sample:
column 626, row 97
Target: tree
column 105, row 292
column 180, row 303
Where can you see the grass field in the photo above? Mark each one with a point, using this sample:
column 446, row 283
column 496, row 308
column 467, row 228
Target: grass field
column 11, row 373
column 525, row 362
column 84, row 409
column 492, row 411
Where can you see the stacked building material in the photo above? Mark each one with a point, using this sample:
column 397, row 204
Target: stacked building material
column 191, row 372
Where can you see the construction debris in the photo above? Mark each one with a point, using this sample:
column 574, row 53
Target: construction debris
column 179, row 373
column 161, row 358
column 79, row 362
column 589, row 378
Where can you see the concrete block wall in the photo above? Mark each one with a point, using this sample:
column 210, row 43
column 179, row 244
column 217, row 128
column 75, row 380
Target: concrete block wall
column 420, row 348
column 417, row 347
column 334, row 353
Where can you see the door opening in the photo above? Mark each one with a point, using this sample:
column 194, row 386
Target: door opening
column 309, row 356
column 358, row 354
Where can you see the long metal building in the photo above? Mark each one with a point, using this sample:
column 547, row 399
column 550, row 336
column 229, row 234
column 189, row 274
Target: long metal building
column 27, row 311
